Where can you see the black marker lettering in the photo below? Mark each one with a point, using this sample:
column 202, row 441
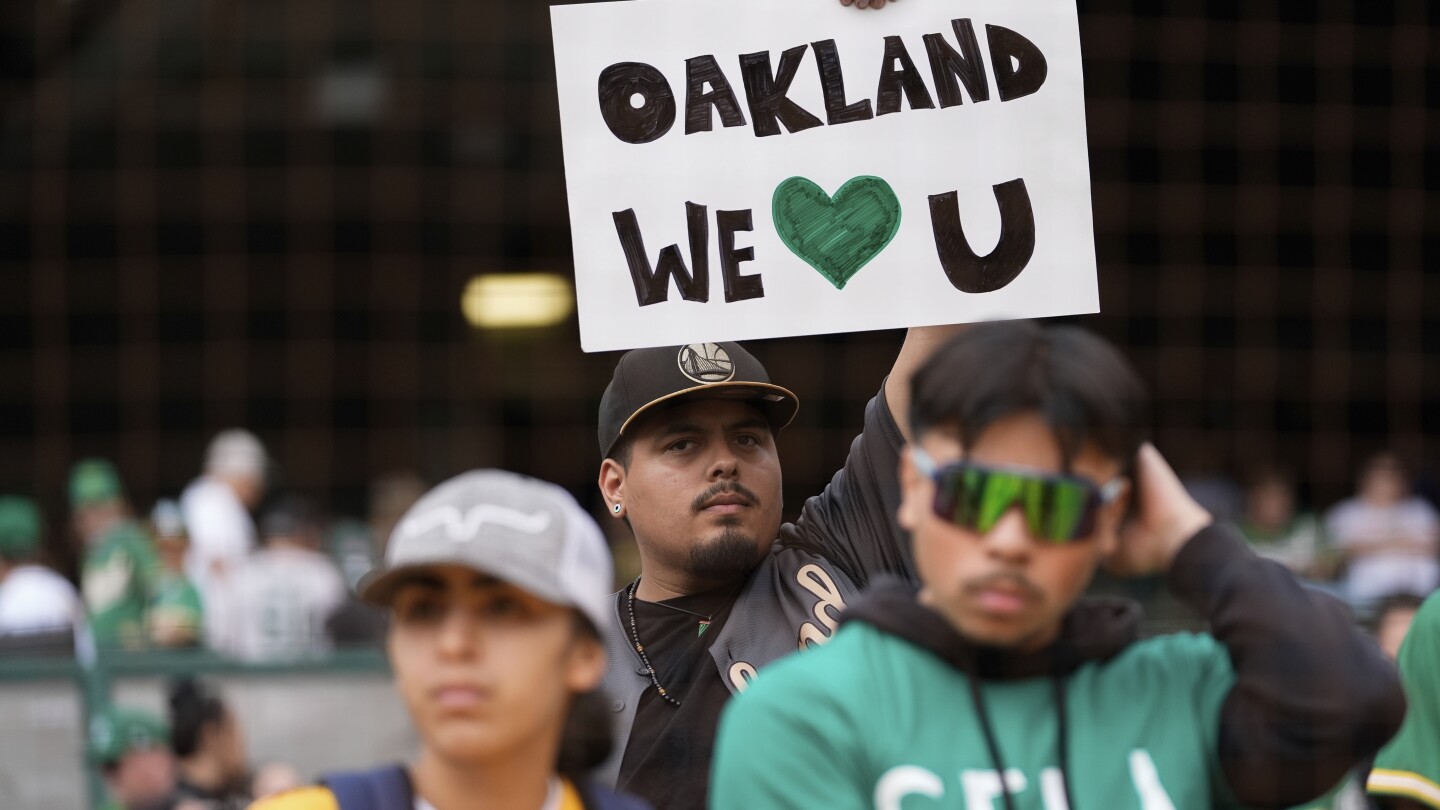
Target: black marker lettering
column 1015, row 81
column 653, row 286
column 892, row 81
column 619, row 83
column 981, row 274
column 765, row 92
column 737, row 287
column 699, row 71
column 833, row 81
column 947, row 65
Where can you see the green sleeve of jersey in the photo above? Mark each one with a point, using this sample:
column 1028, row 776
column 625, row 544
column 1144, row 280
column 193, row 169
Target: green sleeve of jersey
column 189, row 599
column 783, row 745
column 146, row 563
column 176, row 608
column 1409, row 765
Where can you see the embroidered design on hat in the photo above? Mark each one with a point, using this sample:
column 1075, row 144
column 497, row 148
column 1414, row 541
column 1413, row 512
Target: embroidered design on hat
column 461, row 527
column 705, row 363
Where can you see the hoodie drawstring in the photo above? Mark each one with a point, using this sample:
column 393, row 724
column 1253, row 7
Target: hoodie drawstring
column 990, row 743
column 994, row 747
column 1064, row 741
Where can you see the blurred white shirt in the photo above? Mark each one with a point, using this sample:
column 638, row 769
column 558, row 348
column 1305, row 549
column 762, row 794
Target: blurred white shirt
column 34, row 599
column 222, row 534
column 1412, row 525
column 219, row 525
column 279, row 600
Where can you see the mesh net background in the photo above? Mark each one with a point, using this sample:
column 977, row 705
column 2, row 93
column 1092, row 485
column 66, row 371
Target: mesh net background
column 263, row 214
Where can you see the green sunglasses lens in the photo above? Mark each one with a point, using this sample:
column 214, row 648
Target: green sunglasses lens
column 998, row 492
column 1056, row 509
column 1060, row 510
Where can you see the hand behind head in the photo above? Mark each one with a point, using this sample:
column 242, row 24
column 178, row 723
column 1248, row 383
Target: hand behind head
column 1163, row 518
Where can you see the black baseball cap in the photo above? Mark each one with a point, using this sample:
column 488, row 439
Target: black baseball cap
column 667, row 375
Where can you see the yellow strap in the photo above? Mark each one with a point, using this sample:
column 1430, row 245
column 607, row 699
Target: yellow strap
column 312, row 797
column 570, row 797
column 320, row 798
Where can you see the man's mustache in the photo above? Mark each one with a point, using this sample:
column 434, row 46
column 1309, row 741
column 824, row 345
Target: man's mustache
column 721, row 488
column 1015, row 581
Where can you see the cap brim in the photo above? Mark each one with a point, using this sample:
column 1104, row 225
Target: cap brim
column 379, row 586
column 778, row 404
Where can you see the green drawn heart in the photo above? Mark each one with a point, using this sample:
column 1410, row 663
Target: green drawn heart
column 838, row 235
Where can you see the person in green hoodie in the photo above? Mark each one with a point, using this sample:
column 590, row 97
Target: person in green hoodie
column 120, row 574
column 1406, row 775
column 995, row 683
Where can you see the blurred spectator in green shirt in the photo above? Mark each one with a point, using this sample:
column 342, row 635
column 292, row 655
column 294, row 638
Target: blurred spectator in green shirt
column 120, row 573
column 176, row 616
column 1279, row 531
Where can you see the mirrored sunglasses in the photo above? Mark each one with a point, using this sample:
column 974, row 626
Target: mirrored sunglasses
column 1058, row 509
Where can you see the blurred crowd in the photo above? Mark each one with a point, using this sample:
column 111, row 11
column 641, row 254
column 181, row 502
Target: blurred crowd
column 200, row 571
column 1379, row 546
column 194, row 759
column 195, row 571
column 262, row 576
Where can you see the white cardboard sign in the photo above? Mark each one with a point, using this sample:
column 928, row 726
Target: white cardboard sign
column 743, row 169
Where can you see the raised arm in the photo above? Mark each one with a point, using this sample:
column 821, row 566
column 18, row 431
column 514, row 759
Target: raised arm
column 1312, row 695
column 920, row 343
column 852, row 522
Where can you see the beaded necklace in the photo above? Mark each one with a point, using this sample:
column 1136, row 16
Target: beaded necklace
column 640, row 648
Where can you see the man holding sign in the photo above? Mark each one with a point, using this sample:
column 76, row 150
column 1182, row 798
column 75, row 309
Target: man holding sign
column 723, row 185
column 688, row 435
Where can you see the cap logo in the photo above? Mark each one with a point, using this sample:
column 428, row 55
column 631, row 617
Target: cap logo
column 706, row 363
column 461, row 527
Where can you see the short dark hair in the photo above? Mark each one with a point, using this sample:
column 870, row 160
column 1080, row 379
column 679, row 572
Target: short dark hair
column 1391, row 603
column 290, row 516
column 587, row 739
column 1080, row 384
column 622, row 452
column 192, row 708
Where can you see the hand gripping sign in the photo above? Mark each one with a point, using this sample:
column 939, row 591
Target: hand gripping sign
column 744, row 169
